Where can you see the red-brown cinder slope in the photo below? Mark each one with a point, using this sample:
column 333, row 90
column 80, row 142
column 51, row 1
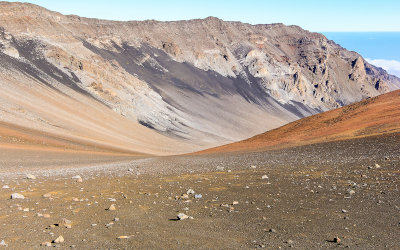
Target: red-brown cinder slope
column 375, row 116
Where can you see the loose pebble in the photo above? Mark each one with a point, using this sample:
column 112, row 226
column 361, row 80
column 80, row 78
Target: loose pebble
column 182, row 216
column 59, row 239
column 123, row 237
column 112, row 208
column 17, row 196
column 30, row 177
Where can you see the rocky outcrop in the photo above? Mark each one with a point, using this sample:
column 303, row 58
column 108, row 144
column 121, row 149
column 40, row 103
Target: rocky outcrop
column 201, row 81
column 358, row 72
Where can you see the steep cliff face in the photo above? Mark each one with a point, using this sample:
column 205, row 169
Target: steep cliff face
column 203, row 82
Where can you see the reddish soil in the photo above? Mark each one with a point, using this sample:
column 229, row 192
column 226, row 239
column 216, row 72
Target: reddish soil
column 375, row 116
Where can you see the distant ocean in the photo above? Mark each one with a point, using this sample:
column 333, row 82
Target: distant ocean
column 381, row 49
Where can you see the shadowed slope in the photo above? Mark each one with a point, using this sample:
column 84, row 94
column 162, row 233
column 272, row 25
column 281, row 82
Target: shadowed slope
column 165, row 88
column 375, row 116
column 199, row 83
column 38, row 117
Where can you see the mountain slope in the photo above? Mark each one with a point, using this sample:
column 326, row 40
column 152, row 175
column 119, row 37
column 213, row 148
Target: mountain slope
column 171, row 87
column 375, row 116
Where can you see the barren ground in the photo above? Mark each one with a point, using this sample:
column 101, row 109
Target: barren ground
column 302, row 200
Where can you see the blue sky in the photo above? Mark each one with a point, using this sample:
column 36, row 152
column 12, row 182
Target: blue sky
column 313, row 15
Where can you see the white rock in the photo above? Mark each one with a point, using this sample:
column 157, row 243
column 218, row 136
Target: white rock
column 66, row 223
column 264, row 177
column 60, row 239
column 253, row 167
column 377, row 165
column 219, row 168
column 76, row 177
column 6, row 187
column 47, row 195
column 112, row 208
column 3, row 243
column 17, row 196
column 182, row 216
column 30, row 177
column 190, row 191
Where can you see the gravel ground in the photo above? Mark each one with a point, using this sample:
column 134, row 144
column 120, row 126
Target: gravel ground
column 301, row 197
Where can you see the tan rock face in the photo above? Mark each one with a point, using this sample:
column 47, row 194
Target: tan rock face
column 204, row 82
column 358, row 73
column 171, row 48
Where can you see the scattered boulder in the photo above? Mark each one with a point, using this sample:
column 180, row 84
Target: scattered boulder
column 377, row 165
column 48, row 195
column 5, row 187
column 78, row 178
column 182, row 216
column 65, row 223
column 184, row 197
column 17, row 196
column 337, row 240
column 30, row 177
column 264, row 177
column 112, row 208
column 3, row 243
column 198, row 196
column 190, row 191
column 351, row 192
column 59, row 239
